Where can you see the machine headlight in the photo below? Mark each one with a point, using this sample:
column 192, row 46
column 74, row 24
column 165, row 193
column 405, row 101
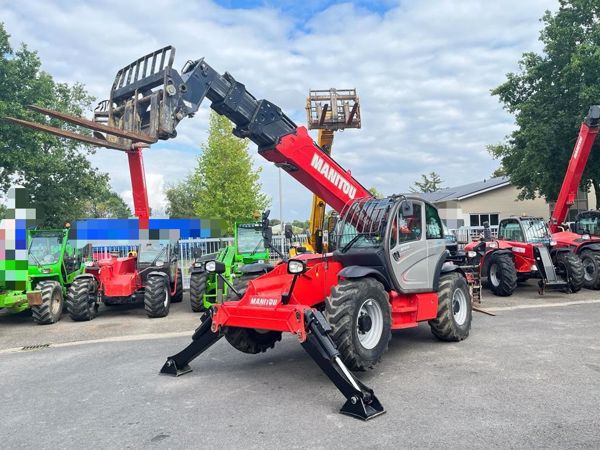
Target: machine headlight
column 552, row 243
column 471, row 254
column 296, row 266
column 492, row 244
column 585, row 237
column 89, row 264
column 533, row 268
column 159, row 263
column 214, row 267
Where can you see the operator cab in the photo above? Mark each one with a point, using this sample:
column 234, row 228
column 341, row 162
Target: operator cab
column 525, row 229
column 587, row 223
column 400, row 238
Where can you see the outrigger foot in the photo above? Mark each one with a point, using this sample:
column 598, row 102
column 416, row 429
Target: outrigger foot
column 361, row 400
column 202, row 339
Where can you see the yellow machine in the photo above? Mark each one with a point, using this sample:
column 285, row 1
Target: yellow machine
column 327, row 111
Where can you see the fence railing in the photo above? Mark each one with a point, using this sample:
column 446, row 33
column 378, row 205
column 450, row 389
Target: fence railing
column 464, row 235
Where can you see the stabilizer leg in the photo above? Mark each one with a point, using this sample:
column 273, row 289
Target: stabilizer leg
column 361, row 401
column 202, row 339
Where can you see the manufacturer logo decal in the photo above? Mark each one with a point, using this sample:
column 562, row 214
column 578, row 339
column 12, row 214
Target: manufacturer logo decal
column 333, row 176
column 263, row 301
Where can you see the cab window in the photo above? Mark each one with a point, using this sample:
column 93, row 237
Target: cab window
column 410, row 226
column 434, row 228
column 510, row 230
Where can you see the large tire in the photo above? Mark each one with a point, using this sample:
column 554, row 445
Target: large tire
column 157, row 296
column 570, row 267
column 502, row 274
column 361, row 321
column 178, row 295
column 455, row 313
column 82, row 299
column 52, row 303
column 197, row 290
column 251, row 341
column 591, row 269
column 240, row 284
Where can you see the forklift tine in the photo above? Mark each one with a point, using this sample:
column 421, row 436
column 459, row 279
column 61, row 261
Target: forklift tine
column 135, row 137
column 202, row 339
column 69, row 134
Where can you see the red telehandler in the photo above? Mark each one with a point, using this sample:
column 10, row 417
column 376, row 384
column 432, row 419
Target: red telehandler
column 387, row 273
column 583, row 237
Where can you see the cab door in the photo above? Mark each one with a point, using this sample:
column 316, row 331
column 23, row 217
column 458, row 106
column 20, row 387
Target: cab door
column 411, row 257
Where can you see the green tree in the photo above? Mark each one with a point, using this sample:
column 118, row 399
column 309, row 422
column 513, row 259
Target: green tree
column 374, row 192
column 181, row 198
column 56, row 171
column 225, row 184
column 428, row 183
column 549, row 98
column 107, row 205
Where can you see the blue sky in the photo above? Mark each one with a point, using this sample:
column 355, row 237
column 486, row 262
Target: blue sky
column 423, row 70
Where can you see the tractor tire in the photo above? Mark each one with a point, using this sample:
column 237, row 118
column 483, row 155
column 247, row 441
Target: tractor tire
column 569, row 266
column 82, row 299
column 52, row 303
column 178, row 295
column 591, row 269
column 197, row 290
column 455, row 313
column 248, row 340
column 502, row 275
column 157, row 296
column 240, row 284
column 361, row 321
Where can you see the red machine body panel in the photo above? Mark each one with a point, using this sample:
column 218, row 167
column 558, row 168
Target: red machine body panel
column 118, row 277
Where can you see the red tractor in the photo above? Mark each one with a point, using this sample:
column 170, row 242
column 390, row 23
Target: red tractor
column 524, row 249
column 389, row 271
column 583, row 237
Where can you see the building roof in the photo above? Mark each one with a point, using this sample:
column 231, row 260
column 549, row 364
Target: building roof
column 465, row 191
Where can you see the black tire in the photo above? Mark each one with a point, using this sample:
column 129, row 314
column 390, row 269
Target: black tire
column 351, row 310
column 240, row 284
column 52, row 303
column 570, row 267
column 82, row 299
column 251, row 341
column 591, row 269
column 178, row 295
column 157, row 296
column 197, row 290
column 502, row 274
column 455, row 313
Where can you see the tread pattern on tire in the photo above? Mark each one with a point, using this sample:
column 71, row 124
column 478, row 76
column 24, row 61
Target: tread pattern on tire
column 197, row 290
column 574, row 267
column 80, row 305
column 178, row 295
column 240, row 284
column 42, row 314
column 443, row 326
column 507, row 275
column 339, row 312
column 595, row 256
column 154, row 296
column 250, row 341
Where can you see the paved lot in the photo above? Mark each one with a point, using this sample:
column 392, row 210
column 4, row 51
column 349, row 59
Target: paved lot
column 528, row 377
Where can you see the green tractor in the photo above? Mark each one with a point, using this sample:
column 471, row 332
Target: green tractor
column 52, row 266
column 247, row 257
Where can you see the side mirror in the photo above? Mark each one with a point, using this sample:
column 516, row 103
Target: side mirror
column 289, row 233
column 214, row 267
column 407, row 208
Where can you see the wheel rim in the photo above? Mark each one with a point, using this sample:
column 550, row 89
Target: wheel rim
column 494, row 278
column 369, row 324
column 166, row 301
column 55, row 303
column 588, row 269
column 459, row 306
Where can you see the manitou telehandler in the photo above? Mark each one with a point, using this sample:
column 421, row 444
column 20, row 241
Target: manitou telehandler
column 387, row 273
column 524, row 249
column 584, row 236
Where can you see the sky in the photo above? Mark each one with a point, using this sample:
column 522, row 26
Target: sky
column 423, row 71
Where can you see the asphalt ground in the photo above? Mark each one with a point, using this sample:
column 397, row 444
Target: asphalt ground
column 528, row 377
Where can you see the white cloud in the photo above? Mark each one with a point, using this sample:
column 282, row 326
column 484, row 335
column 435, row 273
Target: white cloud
column 423, row 70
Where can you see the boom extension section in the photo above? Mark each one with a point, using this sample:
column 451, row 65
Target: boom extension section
column 581, row 152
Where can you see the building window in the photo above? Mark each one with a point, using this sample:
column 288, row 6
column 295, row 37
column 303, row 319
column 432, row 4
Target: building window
column 477, row 220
